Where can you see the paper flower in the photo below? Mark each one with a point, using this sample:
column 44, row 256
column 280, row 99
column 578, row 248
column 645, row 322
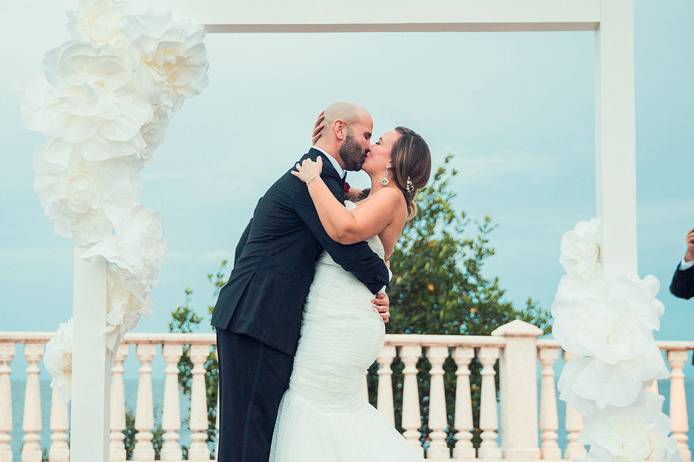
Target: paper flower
column 98, row 22
column 589, row 385
column 84, row 199
column 635, row 433
column 136, row 247
column 610, row 320
column 58, row 359
column 88, row 96
column 128, row 299
column 153, row 131
column 580, row 250
column 172, row 54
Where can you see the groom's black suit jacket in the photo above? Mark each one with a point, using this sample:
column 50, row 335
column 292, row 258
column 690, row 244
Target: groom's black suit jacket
column 682, row 284
column 275, row 262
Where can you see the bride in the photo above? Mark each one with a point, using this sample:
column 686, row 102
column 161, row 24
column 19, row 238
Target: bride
column 324, row 415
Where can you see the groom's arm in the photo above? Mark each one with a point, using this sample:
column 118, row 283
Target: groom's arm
column 682, row 285
column 357, row 258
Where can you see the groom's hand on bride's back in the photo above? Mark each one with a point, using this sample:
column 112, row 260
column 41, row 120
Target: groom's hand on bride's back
column 381, row 303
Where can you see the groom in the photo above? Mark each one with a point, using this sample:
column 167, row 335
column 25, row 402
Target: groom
column 258, row 312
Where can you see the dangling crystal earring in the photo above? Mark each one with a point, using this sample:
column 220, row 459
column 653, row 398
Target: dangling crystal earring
column 385, row 180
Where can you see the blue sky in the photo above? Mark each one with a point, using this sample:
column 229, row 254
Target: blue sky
column 516, row 109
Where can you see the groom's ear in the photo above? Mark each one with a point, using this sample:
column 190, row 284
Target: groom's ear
column 339, row 127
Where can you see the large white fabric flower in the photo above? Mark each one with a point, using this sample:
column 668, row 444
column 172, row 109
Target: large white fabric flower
column 172, row 55
column 88, row 96
column 136, row 247
column 610, row 320
column 635, row 433
column 153, row 131
column 58, row 359
column 98, row 22
column 84, row 199
column 580, row 250
column 588, row 384
column 128, row 299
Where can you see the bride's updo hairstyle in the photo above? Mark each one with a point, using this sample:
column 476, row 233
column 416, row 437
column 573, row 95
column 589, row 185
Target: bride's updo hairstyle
column 411, row 166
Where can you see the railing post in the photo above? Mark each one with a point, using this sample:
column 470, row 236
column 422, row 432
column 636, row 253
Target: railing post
column 409, row 354
column 7, row 351
column 518, row 383
column 117, row 444
column 489, row 447
column 171, row 418
column 198, row 405
column 384, row 401
column 144, row 419
column 31, row 449
column 678, row 402
column 463, row 404
column 549, row 421
column 573, row 423
column 438, row 420
column 59, row 451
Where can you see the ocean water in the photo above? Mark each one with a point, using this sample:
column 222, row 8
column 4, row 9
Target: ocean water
column 158, row 393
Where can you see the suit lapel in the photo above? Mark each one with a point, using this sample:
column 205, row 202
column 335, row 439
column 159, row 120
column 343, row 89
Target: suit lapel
column 328, row 168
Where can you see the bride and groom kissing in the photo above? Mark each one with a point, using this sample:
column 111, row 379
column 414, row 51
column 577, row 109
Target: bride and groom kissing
column 303, row 314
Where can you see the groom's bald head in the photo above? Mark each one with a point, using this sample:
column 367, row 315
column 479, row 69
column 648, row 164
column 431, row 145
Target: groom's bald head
column 347, row 133
column 348, row 112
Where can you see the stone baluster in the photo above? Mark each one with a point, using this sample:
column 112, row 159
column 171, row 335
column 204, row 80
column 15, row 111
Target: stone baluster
column 489, row 448
column 574, row 424
column 385, row 384
column 59, row 451
column 198, row 405
column 31, row 448
column 549, row 421
column 463, row 404
column 438, row 420
column 678, row 402
column 411, row 420
column 171, row 418
column 144, row 418
column 117, row 413
column 7, row 351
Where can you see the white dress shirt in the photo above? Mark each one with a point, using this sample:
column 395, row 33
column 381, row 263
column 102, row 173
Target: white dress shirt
column 685, row 265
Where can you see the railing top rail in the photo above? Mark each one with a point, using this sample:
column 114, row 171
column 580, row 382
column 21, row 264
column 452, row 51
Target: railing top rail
column 209, row 338
column 473, row 341
column 662, row 344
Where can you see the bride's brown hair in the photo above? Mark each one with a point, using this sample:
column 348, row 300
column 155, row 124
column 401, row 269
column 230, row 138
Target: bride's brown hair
column 411, row 166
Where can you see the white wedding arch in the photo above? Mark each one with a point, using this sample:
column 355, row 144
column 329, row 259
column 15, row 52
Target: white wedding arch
column 609, row 242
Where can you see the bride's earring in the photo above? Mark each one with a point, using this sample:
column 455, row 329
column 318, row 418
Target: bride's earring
column 385, row 180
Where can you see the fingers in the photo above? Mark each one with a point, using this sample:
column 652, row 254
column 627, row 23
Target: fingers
column 320, row 119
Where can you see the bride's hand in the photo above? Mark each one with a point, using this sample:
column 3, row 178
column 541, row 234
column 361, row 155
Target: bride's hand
column 309, row 169
column 318, row 128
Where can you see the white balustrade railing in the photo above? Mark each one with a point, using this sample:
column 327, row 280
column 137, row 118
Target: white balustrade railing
column 511, row 423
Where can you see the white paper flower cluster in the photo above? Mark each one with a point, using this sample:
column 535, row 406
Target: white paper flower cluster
column 104, row 100
column 607, row 324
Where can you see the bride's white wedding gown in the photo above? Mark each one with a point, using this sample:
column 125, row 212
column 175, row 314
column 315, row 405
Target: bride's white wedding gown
column 324, row 415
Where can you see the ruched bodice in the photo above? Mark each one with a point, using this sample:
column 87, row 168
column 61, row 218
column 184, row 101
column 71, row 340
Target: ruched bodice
column 324, row 416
